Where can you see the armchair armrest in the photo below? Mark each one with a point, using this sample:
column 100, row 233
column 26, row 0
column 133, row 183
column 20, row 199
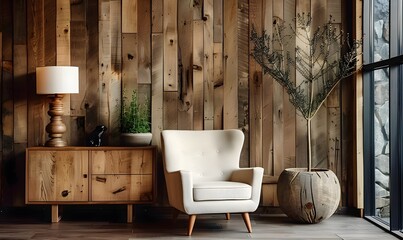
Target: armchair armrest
column 252, row 176
column 179, row 188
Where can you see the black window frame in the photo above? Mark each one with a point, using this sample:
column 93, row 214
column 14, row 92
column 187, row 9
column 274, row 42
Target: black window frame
column 395, row 65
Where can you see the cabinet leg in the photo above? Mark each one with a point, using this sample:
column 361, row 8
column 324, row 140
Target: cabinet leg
column 129, row 213
column 55, row 214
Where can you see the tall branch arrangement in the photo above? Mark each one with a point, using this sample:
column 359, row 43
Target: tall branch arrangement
column 322, row 57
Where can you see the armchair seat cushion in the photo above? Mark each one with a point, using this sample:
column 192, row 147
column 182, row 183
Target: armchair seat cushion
column 221, row 190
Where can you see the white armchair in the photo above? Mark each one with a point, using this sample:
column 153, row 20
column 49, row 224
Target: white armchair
column 203, row 176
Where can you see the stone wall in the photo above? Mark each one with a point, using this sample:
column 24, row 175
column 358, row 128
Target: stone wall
column 381, row 109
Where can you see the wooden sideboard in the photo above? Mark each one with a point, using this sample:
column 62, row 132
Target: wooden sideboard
column 90, row 175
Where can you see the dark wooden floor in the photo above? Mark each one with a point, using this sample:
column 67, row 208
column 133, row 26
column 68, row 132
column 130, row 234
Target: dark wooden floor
column 108, row 223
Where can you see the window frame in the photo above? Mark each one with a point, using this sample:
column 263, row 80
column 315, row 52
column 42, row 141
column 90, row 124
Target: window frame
column 395, row 65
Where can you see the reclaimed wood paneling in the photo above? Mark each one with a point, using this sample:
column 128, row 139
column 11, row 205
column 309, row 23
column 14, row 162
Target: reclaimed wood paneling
column 230, row 115
column 157, row 16
column 92, row 96
column 157, row 100
column 78, row 57
column 170, row 113
column 288, row 108
column 218, row 79
column 130, row 15
column 144, row 42
column 300, row 123
column 243, row 79
column 218, row 21
column 6, row 24
column 278, row 98
column 185, row 64
column 129, row 64
column 170, row 45
column 20, row 72
column 20, row 91
column 37, row 104
column 255, row 89
column 208, row 66
column 319, row 122
column 267, row 103
column 7, row 110
column 198, row 75
column 190, row 57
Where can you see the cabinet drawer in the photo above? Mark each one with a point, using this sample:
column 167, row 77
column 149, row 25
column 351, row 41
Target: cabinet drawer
column 122, row 188
column 57, row 176
column 122, row 161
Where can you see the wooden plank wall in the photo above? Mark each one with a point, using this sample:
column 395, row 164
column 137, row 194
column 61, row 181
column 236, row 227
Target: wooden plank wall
column 277, row 132
column 190, row 58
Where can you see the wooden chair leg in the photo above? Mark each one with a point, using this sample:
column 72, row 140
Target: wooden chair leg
column 228, row 216
column 246, row 219
column 192, row 220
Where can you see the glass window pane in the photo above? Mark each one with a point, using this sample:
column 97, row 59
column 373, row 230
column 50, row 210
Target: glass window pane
column 381, row 143
column 381, row 30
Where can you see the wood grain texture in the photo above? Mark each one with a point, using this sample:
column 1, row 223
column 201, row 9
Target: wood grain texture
column 157, row 86
column 198, row 75
column 288, row 109
column 169, row 113
column 37, row 118
column 243, row 79
column 157, row 16
column 208, row 66
column 121, row 188
column 20, row 94
column 230, row 115
column 88, row 175
column 218, row 21
column 129, row 16
column 300, row 128
column 57, row 176
column 92, row 97
column 255, row 90
column 78, row 57
column 144, row 41
column 278, row 103
column 267, row 101
column 319, row 122
column 185, row 64
column 63, row 46
column 218, row 86
column 130, row 64
column 122, row 162
column 170, row 45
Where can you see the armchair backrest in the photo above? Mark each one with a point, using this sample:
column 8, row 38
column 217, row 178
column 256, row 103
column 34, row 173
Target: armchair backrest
column 209, row 154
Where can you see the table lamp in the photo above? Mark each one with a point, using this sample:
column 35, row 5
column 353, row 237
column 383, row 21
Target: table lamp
column 56, row 81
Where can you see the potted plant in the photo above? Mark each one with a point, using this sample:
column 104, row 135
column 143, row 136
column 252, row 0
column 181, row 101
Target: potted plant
column 135, row 122
column 327, row 56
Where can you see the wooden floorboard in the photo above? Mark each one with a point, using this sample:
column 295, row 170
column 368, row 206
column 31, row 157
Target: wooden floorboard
column 113, row 226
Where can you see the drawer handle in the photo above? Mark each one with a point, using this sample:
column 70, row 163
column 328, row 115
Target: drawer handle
column 85, row 175
column 120, row 190
column 65, row 193
column 100, row 179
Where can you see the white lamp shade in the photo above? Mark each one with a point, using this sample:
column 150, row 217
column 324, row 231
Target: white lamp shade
column 57, row 80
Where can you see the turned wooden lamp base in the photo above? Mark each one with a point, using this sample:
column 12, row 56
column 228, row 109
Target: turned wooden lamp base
column 56, row 127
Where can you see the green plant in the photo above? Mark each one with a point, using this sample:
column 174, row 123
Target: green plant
column 135, row 115
column 323, row 56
